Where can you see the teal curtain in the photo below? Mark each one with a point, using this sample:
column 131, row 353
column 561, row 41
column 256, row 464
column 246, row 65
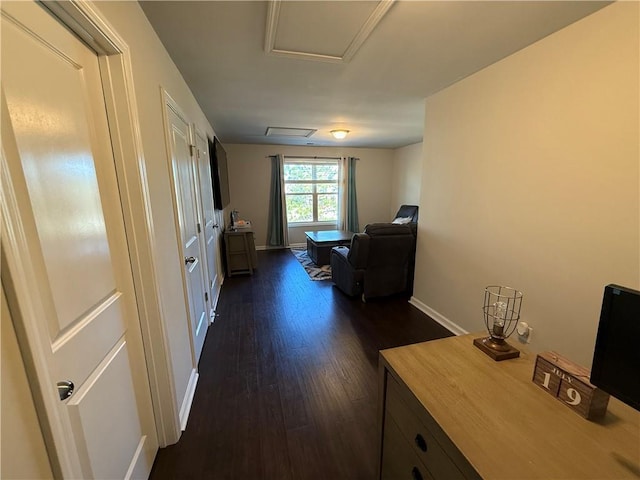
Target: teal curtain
column 277, row 227
column 352, row 200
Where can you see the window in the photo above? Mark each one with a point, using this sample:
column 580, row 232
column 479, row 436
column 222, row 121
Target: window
column 311, row 190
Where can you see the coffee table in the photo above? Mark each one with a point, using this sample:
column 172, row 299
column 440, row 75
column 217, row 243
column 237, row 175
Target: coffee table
column 320, row 243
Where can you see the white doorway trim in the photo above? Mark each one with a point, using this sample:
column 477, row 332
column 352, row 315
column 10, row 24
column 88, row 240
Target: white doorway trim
column 115, row 60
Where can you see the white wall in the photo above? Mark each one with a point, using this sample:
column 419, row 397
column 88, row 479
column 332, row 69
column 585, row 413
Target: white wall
column 407, row 176
column 250, row 183
column 152, row 69
column 531, row 180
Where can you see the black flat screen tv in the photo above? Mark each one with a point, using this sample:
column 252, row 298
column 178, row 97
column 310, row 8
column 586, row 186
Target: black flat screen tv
column 219, row 174
column 616, row 358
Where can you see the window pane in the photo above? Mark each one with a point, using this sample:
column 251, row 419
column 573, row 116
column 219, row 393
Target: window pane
column 327, row 208
column 294, row 171
column 298, row 188
column 327, row 188
column 311, row 190
column 299, row 208
column 327, row 172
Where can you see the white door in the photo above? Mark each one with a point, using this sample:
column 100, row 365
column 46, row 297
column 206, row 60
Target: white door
column 22, row 445
column 210, row 223
column 184, row 178
column 67, row 263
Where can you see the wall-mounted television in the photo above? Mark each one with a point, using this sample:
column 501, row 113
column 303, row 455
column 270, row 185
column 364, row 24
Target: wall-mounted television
column 616, row 358
column 219, row 174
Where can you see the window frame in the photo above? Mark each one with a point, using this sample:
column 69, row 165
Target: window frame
column 314, row 182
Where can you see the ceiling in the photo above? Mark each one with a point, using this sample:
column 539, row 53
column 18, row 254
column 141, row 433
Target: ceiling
column 365, row 66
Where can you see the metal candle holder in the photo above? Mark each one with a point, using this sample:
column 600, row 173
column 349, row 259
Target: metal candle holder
column 501, row 314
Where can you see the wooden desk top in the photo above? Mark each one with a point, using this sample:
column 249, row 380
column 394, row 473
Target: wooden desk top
column 506, row 426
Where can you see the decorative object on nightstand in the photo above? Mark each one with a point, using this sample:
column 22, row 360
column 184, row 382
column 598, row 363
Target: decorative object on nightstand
column 501, row 314
column 569, row 383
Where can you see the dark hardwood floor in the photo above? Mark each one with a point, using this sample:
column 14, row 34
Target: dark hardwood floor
column 288, row 379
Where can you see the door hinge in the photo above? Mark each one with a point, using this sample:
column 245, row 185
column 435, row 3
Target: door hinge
column 199, row 229
column 206, row 297
column 192, row 150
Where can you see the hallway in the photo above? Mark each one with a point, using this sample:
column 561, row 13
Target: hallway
column 288, row 379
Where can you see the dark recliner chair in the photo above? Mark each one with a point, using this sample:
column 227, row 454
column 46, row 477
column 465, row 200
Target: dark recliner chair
column 378, row 262
column 408, row 211
column 411, row 212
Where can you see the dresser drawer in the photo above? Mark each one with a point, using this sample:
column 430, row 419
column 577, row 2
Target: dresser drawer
column 427, row 439
column 399, row 462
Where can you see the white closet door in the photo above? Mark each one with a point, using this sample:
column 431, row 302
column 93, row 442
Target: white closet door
column 69, row 259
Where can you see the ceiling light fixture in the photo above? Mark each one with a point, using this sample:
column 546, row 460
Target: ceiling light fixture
column 339, row 134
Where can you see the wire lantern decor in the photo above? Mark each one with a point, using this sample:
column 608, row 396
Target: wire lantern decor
column 501, row 315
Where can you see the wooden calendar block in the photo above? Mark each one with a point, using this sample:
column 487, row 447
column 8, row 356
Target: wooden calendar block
column 544, row 376
column 584, row 398
column 569, row 383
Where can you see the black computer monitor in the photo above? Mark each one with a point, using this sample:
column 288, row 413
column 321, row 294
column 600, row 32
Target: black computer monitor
column 616, row 359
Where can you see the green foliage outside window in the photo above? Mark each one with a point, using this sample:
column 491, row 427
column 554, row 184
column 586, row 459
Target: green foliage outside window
column 311, row 191
column 299, row 208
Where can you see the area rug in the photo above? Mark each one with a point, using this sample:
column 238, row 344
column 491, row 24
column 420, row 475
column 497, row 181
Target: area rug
column 314, row 271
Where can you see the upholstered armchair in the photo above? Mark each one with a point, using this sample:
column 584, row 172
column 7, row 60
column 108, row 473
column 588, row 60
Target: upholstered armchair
column 377, row 263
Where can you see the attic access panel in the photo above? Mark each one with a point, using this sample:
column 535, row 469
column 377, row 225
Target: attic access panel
column 321, row 30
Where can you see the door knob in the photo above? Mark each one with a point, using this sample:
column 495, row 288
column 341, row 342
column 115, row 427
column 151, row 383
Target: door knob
column 188, row 260
column 65, row 389
column 215, row 225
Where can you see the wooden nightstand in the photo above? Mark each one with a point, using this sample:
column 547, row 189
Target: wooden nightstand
column 240, row 251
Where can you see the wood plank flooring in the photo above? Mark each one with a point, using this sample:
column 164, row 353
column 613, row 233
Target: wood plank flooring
column 288, row 379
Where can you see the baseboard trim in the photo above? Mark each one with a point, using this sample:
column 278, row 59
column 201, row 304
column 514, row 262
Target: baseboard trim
column 214, row 304
column 188, row 399
column 438, row 317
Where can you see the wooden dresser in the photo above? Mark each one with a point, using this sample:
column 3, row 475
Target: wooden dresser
column 448, row 411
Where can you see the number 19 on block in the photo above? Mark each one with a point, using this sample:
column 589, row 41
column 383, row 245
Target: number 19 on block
column 569, row 383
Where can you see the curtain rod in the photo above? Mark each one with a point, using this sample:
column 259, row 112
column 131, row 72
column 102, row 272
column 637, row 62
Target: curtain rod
column 307, row 156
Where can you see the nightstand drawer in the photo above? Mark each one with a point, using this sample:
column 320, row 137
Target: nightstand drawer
column 399, row 462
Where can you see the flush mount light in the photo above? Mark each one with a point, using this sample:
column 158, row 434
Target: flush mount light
column 339, row 134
